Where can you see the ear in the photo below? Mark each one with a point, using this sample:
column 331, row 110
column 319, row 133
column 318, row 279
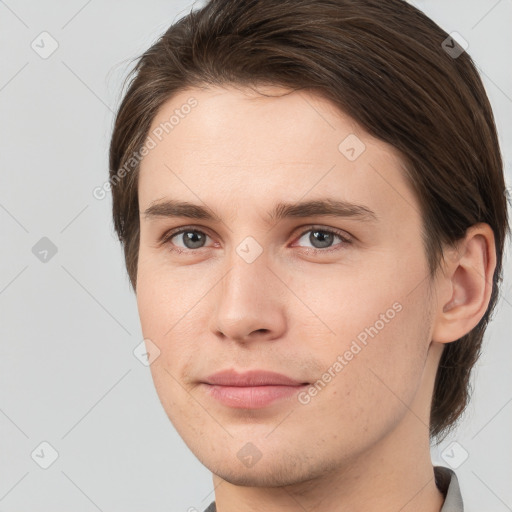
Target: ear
column 464, row 286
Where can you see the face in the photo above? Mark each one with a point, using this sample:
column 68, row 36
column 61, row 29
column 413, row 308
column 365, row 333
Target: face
column 338, row 301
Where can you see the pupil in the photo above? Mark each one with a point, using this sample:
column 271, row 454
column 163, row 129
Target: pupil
column 191, row 239
column 325, row 238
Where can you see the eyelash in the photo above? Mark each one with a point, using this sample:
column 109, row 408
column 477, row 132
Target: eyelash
column 166, row 238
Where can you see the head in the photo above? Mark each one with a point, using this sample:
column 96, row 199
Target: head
column 242, row 106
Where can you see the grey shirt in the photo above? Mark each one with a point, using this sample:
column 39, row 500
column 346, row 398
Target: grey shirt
column 446, row 481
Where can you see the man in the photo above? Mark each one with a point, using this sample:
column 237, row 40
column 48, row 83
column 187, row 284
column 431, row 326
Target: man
column 311, row 200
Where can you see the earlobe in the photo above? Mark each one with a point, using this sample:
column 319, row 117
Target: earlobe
column 465, row 288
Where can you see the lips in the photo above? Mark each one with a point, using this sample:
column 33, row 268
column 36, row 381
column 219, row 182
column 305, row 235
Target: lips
column 254, row 389
column 251, row 378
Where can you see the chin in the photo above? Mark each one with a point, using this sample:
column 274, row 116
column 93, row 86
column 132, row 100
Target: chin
column 275, row 470
column 246, row 477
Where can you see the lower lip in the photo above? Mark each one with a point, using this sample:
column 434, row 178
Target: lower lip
column 251, row 397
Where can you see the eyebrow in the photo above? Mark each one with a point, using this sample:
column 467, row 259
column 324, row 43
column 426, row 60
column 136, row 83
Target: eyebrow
column 313, row 208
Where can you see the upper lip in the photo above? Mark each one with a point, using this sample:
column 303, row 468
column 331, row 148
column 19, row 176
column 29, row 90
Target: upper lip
column 251, row 378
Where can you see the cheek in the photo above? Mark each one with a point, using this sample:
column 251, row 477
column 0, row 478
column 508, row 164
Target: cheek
column 159, row 296
column 374, row 385
column 164, row 320
column 377, row 340
column 169, row 307
column 392, row 361
column 362, row 300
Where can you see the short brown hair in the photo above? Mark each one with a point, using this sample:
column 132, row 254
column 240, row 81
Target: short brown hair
column 386, row 65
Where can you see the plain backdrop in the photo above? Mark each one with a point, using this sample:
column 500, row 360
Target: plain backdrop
column 69, row 324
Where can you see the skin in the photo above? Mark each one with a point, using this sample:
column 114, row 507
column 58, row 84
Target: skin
column 362, row 443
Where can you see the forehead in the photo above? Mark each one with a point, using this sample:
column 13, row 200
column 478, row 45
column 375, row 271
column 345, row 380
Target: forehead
column 240, row 146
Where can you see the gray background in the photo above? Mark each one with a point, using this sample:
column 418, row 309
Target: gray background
column 69, row 325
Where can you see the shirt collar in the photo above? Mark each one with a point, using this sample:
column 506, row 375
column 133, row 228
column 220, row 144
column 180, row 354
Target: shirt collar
column 448, row 484
column 446, row 481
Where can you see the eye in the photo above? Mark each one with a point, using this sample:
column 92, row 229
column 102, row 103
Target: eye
column 322, row 239
column 190, row 238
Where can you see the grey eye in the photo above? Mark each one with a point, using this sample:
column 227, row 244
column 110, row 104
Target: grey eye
column 191, row 239
column 319, row 238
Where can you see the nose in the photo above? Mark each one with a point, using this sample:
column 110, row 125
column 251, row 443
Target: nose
column 251, row 302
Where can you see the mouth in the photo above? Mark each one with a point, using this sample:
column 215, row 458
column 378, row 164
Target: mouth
column 250, row 390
